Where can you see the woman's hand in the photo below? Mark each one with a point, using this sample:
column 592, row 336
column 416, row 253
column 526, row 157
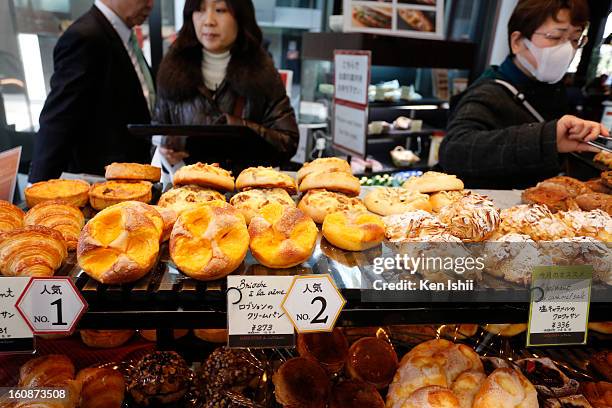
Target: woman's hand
column 573, row 133
column 173, row 157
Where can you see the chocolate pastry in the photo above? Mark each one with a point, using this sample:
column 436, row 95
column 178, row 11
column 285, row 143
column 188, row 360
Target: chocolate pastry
column 328, row 349
column 547, row 378
column 160, row 377
column 602, row 363
column 373, row 361
column 301, row 383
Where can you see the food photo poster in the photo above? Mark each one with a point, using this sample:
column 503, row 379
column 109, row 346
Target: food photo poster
column 406, row 18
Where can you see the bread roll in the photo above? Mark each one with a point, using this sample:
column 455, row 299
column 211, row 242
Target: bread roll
column 31, row 251
column 323, row 165
column 251, row 201
column 205, row 175
column 354, row 231
column 373, row 361
column 317, row 204
column 265, row 177
column 11, row 216
column 105, row 338
column 132, row 171
column 328, row 349
column 185, row 197
column 75, row 192
column 466, row 386
column 432, row 182
column 62, row 217
column 101, row 388
column 332, row 180
column 391, row 200
column 301, row 383
column 506, row 388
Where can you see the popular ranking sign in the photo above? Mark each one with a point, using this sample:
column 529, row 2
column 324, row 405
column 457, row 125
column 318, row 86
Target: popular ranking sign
column 51, row 305
column 15, row 335
column 313, row 303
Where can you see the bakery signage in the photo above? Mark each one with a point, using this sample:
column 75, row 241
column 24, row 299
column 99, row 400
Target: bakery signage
column 254, row 314
column 313, row 303
column 405, row 18
column 559, row 312
column 15, row 335
column 51, row 305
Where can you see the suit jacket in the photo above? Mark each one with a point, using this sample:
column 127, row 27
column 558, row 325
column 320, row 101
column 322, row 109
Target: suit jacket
column 95, row 93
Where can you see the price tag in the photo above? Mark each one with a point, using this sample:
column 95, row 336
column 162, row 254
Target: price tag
column 559, row 310
column 15, row 335
column 51, row 305
column 313, row 303
column 255, row 317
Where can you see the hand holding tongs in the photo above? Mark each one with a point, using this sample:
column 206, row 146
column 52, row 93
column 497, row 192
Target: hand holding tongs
column 599, row 146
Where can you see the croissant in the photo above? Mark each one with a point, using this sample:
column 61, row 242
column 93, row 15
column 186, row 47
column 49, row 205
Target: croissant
column 61, row 216
column 11, row 216
column 31, row 251
column 101, row 388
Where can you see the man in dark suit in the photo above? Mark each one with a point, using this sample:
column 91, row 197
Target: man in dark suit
column 100, row 84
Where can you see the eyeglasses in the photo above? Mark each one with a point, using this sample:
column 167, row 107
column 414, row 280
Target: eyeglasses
column 559, row 36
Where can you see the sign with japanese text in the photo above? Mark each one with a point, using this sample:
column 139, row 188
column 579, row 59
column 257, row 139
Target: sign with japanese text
column 15, row 335
column 254, row 314
column 313, row 303
column 51, row 305
column 559, row 310
column 350, row 128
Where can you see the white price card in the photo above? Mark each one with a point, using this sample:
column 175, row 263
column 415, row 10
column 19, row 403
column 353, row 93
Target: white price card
column 352, row 75
column 559, row 311
column 313, row 303
column 350, row 128
column 15, row 335
column 51, row 305
column 255, row 317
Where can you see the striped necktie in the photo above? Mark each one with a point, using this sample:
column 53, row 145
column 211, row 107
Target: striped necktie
column 142, row 71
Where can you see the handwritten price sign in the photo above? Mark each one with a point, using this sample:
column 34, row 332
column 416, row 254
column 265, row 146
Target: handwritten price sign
column 15, row 335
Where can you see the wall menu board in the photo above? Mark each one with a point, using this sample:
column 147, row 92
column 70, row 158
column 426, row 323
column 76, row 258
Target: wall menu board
column 405, row 18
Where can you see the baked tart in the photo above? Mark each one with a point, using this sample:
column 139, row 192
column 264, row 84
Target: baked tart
column 103, row 195
column 132, row 171
column 75, row 192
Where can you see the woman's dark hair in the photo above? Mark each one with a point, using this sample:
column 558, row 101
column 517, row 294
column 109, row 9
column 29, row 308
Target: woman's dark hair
column 249, row 37
column 528, row 15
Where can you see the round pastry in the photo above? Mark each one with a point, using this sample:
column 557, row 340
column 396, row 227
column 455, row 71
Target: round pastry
column 100, row 387
column 373, row 361
column 169, row 216
column 105, row 338
column 209, row 242
column 413, row 225
column 323, row 165
column 547, row 379
column 301, row 382
column 606, row 178
column 265, row 177
column 121, row 243
column 205, row 175
column 318, row 203
column 282, row 237
column 466, row 386
column 391, row 200
column 62, row 217
column 354, row 231
column 251, row 201
column 534, row 220
column 553, row 196
column 75, row 192
column 31, row 251
column 432, row 182
column 11, row 216
column 103, row 195
column 598, row 186
column 431, row 397
column 355, row 394
column 512, row 257
column 328, row 349
column 443, row 198
column 161, row 377
column 595, row 201
column 602, row 327
column 506, row 330
column 132, row 171
column 472, row 218
column 184, row 197
column 332, row 180
column 506, row 387
column 573, row 186
column 595, row 224
column 211, row 335
column 151, row 335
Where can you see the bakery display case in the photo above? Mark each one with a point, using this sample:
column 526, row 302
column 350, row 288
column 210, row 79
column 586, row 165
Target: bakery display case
column 153, row 275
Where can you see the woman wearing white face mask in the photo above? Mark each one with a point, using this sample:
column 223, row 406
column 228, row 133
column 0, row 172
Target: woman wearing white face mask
column 494, row 139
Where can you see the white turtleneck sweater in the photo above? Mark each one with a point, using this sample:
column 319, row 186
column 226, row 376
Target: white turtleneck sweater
column 214, row 67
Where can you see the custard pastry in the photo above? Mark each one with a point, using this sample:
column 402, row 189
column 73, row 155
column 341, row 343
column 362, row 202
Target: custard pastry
column 249, row 202
column 75, row 192
column 132, row 171
column 184, row 197
column 62, row 217
column 103, row 195
column 11, row 216
column 318, row 203
column 354, row 230
column 205, row 175
column 472, row 218
column 265, row 177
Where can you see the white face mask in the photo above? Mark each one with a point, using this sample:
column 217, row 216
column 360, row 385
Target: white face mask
column 553, row 62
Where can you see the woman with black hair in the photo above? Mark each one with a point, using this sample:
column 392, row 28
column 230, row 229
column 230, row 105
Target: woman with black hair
column 217, row 72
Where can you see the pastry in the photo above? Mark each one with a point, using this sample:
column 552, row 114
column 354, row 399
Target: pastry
column 506, row 330
column 282, row 237
column 602, row 327
column 372, row 360
column 151, row 335
column 598, row 186
column 604, row 158
column 595, row 201
column 184, row 197
column 573, row 186
column 595, row 224
column 458, row 331
column 318, row 203
column 31, row 251
column 251, row 201
column 412, row 226
column 547, row 378
column 506, row 388
column 209, row 242
column 62, row 217
column 50, row 371
column 11, row 216
column 602, row 361
column 466, row 386
column 332, row 180
column 265, row 177
column 103, row 195
column 432, row 182
column 101, row 388
column 121, row 243
column 416, row 20
column 105, row 338
column 534, row 220
column 328, row 349
column 572, row 401
column 443, row 198
column 301, row 383
column 606, row 178
column 472, row 218
column 354, row 231
column 372, row 17
column 211, row 335
column 160, row 377
column 390, row 200
column 430, row 397
column 512, row 258
column 75, row 192
column 355, row 394
column 169, row 217
column 132, row 171
column 553, row 196
column 323, row 165
column 205, row 175
column 599, row 394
